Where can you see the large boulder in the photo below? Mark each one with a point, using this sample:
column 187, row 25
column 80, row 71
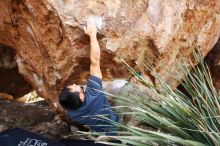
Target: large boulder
column 52, row 49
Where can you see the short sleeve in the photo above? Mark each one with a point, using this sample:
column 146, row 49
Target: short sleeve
column 94, row 85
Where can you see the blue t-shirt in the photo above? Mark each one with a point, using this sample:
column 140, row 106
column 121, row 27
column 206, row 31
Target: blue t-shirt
column 95, row 103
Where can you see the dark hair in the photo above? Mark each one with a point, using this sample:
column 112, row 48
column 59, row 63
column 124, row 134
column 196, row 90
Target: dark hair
column 69, row 100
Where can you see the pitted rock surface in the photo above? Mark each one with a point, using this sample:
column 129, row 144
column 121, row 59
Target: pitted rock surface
column 52, row 49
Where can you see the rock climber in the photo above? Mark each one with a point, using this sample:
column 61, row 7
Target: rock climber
column 85, row 107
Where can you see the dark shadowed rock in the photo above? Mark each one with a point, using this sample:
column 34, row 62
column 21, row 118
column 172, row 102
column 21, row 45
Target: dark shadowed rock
column 37, row 117
column 11, row 81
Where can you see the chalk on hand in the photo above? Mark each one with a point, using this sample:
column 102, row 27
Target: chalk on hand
column 96, row 20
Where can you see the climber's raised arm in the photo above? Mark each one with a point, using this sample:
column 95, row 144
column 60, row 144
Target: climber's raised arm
column 91, row 31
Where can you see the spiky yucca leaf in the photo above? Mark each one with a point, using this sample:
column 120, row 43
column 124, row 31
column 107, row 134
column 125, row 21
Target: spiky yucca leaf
column 189, row 118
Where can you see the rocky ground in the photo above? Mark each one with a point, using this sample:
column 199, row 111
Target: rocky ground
column 36, row 117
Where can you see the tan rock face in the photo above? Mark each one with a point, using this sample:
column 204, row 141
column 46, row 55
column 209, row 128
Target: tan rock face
column 52, row 49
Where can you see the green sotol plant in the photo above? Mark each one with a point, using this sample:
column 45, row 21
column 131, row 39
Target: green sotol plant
column 190, row 118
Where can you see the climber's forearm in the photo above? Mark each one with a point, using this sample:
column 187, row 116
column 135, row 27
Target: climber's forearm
column 94, row 51
column 91, row 30
column 95, row 57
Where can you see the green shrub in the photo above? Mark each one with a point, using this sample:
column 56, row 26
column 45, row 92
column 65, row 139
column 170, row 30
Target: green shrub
column 190, row 118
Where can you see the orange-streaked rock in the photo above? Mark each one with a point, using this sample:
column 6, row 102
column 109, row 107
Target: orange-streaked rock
column 52, row 49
